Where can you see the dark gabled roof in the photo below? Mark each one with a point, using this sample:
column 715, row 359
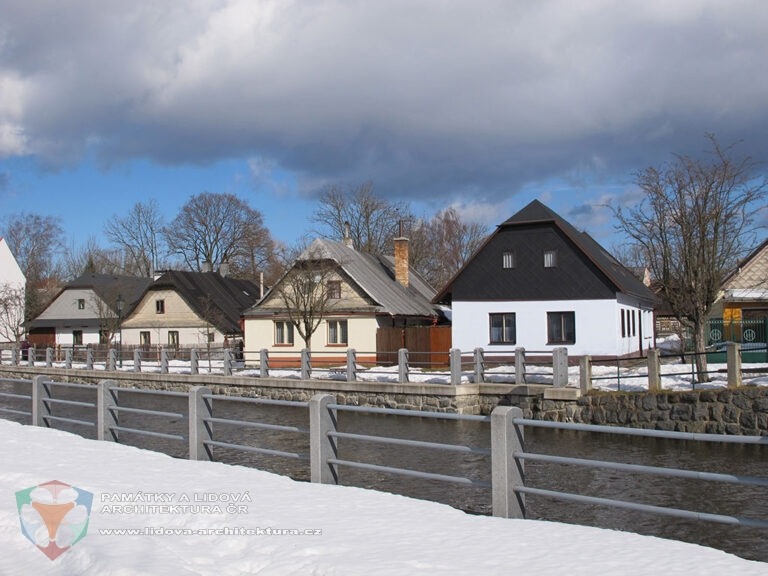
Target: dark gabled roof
column 376, row 278
column 218, row 299
column 537, row 213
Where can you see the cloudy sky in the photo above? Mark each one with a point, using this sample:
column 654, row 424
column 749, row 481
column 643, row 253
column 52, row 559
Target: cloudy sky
column 483, row 105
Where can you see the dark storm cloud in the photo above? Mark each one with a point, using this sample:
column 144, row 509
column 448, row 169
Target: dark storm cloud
column 425, row 98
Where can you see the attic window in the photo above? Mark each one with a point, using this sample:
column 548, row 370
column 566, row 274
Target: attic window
column 508, row 259
column 159, row 306
column 334, row 289
column 81, row 304
column 550, row 258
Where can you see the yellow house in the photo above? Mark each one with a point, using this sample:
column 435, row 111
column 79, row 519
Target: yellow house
column 347, row 297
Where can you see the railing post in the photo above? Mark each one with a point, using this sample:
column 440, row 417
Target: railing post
column 479, row 366
column 107, row 417
column 264, row 363
column 112, row 360
column 402, row 365
column 733, row 357
column 194, row 367
column 519, row 365
column 654, row 371
column 200, row 431
column 15, row 357
column 322, row 447
column 89, row 359
column 49, row 357
column 163, row 361
column 585, row 373
column 351, row 365
column 68, row 358
column 41, row 391
column 560, row 367
column 306, row 364
column 507, row 472
column 455, row 361
column 227, row 362
column 31, row 356
column 137, row 360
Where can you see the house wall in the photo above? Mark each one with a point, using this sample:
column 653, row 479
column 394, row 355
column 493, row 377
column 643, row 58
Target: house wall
column 178, row 316
column 597, row 323
column 260, row 334
column 11, row 277
column 85, row 319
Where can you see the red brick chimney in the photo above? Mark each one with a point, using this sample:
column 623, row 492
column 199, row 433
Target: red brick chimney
column 401, row 261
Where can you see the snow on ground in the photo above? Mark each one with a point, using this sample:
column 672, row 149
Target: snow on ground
column 363, row 531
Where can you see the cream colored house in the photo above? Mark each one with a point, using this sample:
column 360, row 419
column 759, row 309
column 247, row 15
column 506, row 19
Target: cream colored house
column 12, row 286
column 360, row 295
column 189, row 310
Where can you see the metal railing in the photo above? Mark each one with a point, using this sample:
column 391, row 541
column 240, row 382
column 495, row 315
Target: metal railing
column 507, row 452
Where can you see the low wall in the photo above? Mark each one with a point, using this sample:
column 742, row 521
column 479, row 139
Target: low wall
column 742, row 410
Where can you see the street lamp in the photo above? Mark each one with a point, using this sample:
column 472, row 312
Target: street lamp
column 120, row 302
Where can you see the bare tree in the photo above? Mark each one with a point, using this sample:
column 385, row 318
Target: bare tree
column 11, row 313
column 306, row 291
column 91, row 258
column 441, row 245
column 220, row 228
column 373, row 222
column 36, row 241
column 138, row 235
column 693, row 225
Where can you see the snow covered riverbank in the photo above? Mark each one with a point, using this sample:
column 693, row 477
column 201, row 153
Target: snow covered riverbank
column 243, row 513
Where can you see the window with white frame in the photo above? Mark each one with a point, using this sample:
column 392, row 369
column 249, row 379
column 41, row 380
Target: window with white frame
column 508, row 259
column 160, row 306
column 173, row 338
column 502, row 328
column 550, row 258
column 283, row 333
column 144, row 338
column 337, row 331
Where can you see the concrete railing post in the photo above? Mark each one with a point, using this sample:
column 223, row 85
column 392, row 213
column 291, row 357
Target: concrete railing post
column 322, row 446
column 519, row 365
column 112, row 360
column 733, row 357
column 654, row 371
column 194, row 362
column 163, row 361
column 31, row 356
column 507, row 472
column 68, row 358
column 137, row 360
column 49, row 357
column 585, row 374
column 107, row 416
column 41, row 391
column 15, row 357
column 200, row 431
column 402, row 365
column 351, row 365
column 455, row 361
column 306, row 364
column 479, row 366
column 227, row 362
column 560, row 367
column 264, row 363
column 89, row 359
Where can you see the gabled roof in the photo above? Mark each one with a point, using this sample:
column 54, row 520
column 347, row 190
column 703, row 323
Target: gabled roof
column 747, row 262
column 219, row 299
column 375, row 276
column 537, row 213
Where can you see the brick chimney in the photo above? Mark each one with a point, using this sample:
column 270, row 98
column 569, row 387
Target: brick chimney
column 401, row 260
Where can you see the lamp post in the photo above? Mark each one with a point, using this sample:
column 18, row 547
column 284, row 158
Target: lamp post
column 120, row 302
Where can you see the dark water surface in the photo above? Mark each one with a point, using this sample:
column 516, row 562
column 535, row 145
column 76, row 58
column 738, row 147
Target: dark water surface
column 695, row 495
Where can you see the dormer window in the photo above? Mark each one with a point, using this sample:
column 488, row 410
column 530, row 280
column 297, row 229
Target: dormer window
column 550, row 259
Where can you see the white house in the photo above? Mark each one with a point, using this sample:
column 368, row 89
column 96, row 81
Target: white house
column 538, row 283
column 12, row 289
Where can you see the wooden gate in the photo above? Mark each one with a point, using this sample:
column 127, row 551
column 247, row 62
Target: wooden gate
column 427, row 346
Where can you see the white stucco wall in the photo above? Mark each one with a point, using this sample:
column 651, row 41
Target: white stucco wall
column 190, row 336
column 11, row 279
column 598, row 325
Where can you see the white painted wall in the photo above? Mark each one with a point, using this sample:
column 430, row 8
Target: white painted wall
column 598, row 325
column 193, row 336
column 12, row 278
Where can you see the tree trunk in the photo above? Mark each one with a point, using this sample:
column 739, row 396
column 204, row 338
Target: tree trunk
column 699, row 347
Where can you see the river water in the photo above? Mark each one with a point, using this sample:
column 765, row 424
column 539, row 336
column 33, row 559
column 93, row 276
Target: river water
column 696, row 495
